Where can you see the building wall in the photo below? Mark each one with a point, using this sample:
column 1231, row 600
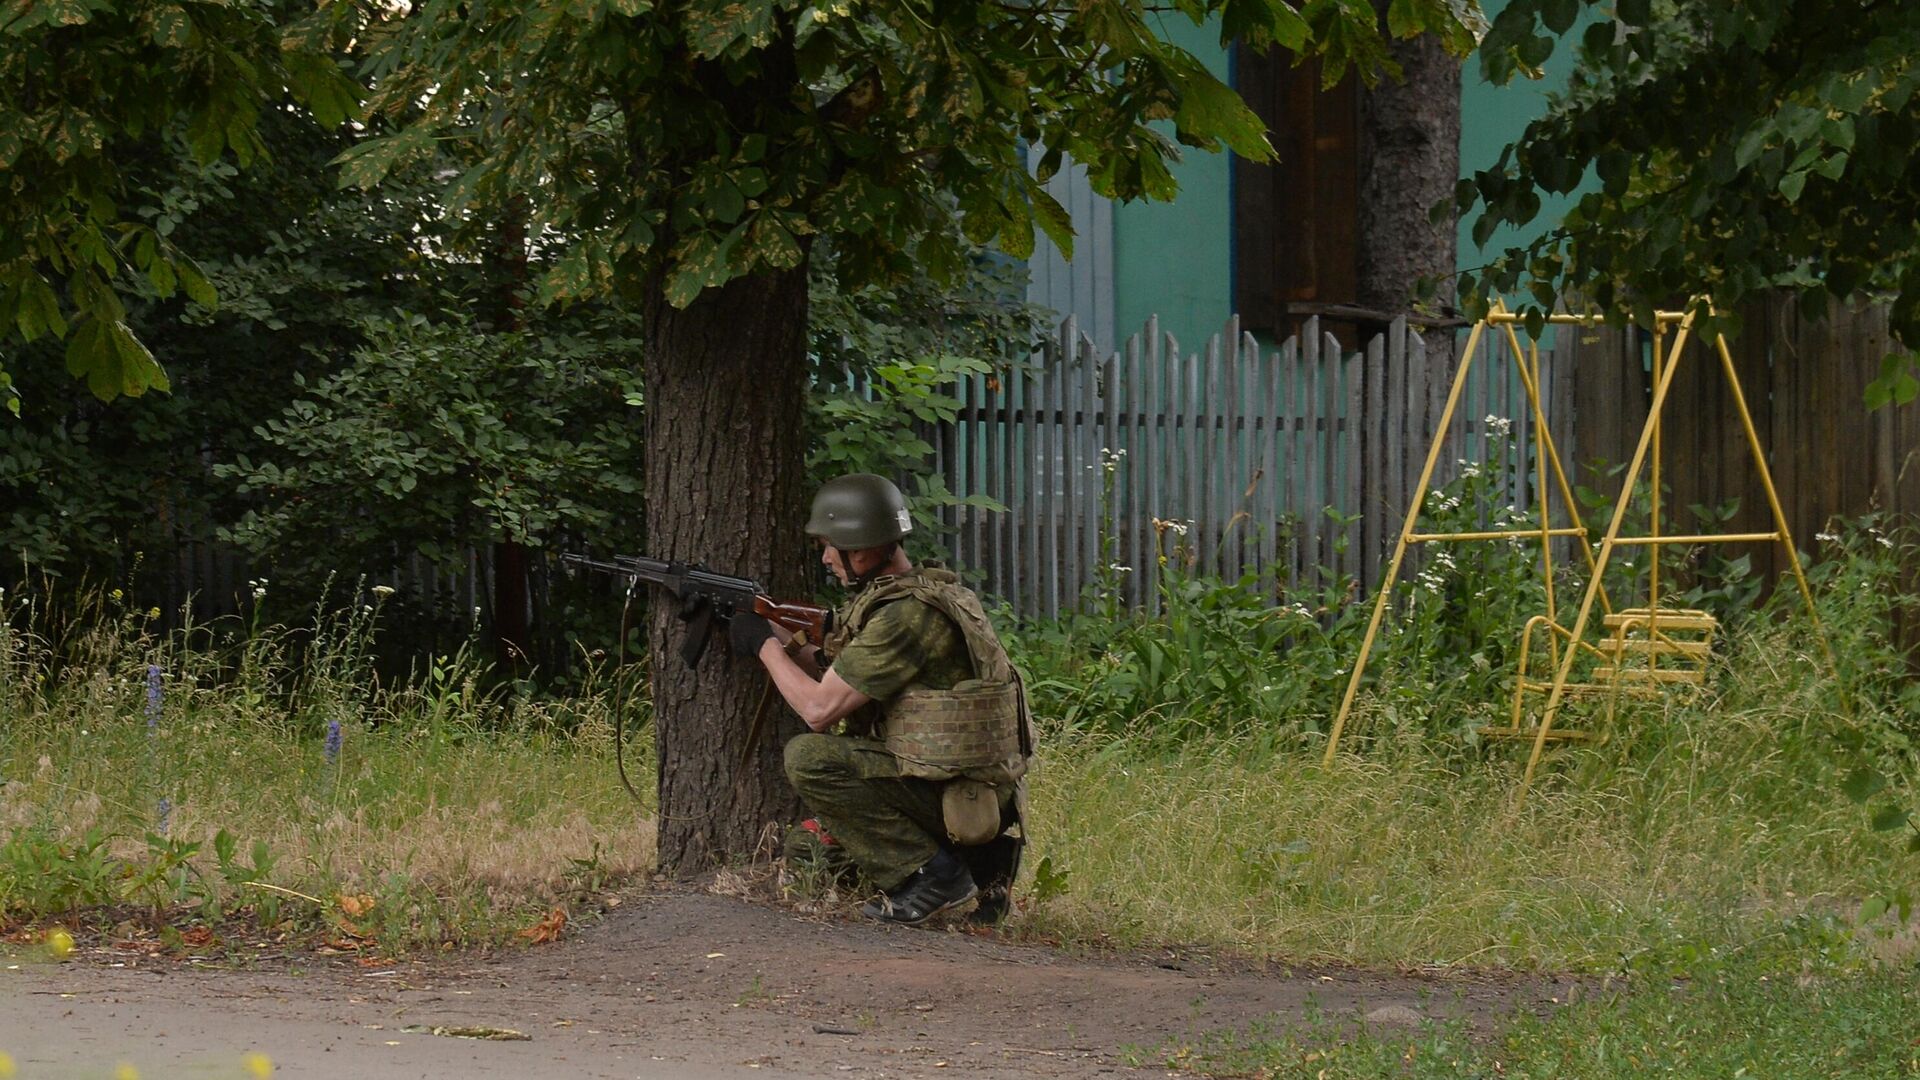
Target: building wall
column 1175, row 260
column 1491, row 117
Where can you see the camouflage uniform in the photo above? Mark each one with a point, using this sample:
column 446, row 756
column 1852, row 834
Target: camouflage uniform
column 889, row 823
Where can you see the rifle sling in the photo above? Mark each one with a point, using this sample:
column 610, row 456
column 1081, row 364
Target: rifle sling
column 759, row 726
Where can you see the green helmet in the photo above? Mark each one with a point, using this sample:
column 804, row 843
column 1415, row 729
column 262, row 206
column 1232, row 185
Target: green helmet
column 859, row 510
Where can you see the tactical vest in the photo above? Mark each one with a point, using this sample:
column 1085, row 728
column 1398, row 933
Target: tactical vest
column 979, row 729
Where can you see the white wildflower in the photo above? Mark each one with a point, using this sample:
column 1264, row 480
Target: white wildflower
column 1497, row 425
column 1827, row 537
column 1885, row 541
column 383, row 591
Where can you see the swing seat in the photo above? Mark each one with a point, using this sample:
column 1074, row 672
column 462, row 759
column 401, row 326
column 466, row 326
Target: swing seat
column 1681, row 639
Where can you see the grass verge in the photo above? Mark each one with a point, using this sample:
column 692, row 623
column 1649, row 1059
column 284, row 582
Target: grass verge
column 1739, row 1022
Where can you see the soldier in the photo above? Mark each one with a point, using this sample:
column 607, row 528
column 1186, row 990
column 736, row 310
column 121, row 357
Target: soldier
column 923, row 790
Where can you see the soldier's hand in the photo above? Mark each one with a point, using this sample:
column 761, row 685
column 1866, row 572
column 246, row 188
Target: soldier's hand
column 747, row 632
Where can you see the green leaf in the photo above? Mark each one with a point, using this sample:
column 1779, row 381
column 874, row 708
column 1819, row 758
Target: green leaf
column 318, row 83
column 1614, row 167
column 1863, row 784
column 1558, row 15
column 1209, row 109
column 369, row 162
column 1402, row 20
column 112, row 360
column 726, row 203
column 198, row 289
column 1053, row 219
column 1792, row 184
column 714, row 28
column 170, row 28
column 1849, row 93
column 1798, row 122
column 39, row 309
column 1832, row 167
column 775, row 245
column 1290, row 31
column 1889, row 818
column 1872, row 909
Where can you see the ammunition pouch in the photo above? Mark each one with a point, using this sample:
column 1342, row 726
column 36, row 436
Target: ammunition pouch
column 939, row 734
column 971, row 811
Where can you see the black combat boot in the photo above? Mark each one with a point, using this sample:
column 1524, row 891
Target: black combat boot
column 941, row 885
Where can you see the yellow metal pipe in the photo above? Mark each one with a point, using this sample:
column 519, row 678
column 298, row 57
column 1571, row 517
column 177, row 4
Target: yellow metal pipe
column 1400, row 547
column 1653, row 516
column 1540, row 478
column 1500, row 316
column 1559, row 469
column 1606, row 553
column 1773, row 501
column 1717, row 538
column 1507, row 534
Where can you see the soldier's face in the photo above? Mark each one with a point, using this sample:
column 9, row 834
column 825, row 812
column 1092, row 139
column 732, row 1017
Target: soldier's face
column 835, row 561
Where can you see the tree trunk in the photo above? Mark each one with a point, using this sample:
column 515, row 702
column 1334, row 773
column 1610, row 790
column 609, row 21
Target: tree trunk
column 1409, row 161
column 725, row 480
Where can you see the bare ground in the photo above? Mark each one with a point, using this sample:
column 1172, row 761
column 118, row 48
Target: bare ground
column 679, row 982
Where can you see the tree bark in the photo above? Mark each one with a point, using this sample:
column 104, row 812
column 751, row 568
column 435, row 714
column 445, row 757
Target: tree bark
column 1409, row 161
column 725, row 480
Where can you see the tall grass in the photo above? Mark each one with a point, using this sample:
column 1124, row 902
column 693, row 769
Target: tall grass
column 461, row 809
column 1179, row 796
column 1179, row 806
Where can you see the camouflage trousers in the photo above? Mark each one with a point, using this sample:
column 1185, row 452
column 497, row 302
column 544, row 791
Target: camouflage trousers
column 889, row 825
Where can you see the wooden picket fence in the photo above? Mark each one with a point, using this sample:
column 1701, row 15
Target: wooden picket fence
column 1293, row 462
column 1290, row 463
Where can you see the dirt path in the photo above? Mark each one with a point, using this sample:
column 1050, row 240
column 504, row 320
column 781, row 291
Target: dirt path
column 680, row 983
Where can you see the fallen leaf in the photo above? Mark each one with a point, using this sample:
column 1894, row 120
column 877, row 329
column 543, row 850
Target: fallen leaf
column 547, row 929
column 469, row 1031
column 356, row 907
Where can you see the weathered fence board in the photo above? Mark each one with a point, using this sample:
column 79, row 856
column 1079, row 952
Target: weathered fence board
column 1228, row 455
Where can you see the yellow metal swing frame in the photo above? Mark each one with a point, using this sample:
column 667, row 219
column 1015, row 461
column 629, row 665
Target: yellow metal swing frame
column 1648, row 634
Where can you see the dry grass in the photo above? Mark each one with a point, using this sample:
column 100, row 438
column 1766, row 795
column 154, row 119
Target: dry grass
column 1416, row 860
column 462, row 816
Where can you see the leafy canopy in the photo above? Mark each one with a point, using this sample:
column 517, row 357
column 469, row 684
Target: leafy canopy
column 1737, row 147
column 679, row 144
column 88, row 90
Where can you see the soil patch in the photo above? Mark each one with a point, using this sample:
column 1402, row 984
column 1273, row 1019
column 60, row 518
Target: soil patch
column 681, row 982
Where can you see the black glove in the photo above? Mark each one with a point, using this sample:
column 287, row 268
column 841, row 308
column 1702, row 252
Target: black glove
column 747, row 632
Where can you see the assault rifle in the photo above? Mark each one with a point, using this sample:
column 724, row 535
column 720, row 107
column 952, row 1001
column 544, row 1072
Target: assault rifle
column 706, row 597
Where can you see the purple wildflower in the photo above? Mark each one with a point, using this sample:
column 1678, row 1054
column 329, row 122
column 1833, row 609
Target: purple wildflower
column 165, row 811
column 153, row 698
column 333, row 740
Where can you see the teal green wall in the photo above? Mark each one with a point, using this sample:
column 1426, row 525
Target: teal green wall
column 1492, row 117
column 1175, row 260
